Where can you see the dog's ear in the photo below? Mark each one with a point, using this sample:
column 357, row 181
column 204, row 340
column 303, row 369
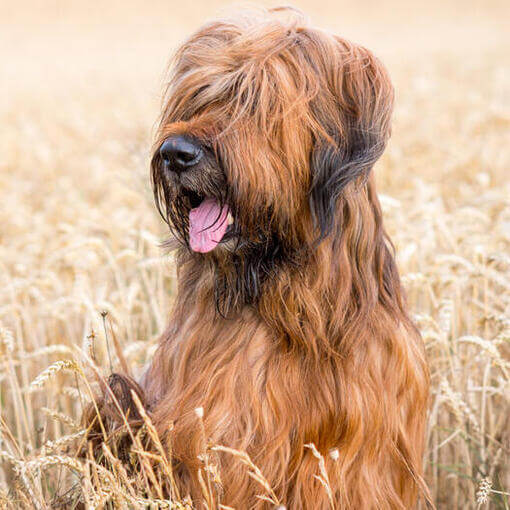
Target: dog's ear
column 353, row 133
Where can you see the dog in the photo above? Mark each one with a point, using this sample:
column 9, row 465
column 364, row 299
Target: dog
column 289, row 337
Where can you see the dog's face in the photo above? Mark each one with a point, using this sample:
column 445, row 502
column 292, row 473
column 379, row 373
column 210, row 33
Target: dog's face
column 265, row 123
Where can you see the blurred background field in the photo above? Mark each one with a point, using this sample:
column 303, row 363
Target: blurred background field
column 80, row 86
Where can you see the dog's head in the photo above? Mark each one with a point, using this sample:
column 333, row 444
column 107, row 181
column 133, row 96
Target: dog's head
column 266, row 121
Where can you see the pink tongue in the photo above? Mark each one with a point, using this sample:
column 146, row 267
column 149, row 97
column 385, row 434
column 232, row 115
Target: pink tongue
column 207, row 225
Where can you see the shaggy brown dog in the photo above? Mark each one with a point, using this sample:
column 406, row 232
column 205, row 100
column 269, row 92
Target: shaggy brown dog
column 289, row 325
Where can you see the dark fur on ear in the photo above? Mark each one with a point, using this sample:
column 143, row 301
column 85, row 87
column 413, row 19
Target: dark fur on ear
column 333, row 167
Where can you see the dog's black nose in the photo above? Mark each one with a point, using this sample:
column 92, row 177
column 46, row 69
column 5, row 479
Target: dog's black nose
column 180, row 153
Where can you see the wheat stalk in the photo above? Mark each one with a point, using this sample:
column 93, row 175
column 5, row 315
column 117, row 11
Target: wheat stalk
column 51, row 371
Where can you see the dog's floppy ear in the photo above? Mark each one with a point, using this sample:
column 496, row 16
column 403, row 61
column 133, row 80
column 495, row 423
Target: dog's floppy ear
column 353, row 135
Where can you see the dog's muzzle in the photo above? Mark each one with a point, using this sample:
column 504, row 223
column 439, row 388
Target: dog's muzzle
column 208, row 218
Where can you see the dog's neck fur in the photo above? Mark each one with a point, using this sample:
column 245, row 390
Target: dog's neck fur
column 319, row 305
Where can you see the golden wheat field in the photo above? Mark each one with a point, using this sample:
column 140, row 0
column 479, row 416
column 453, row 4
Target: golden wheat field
column 80, row 238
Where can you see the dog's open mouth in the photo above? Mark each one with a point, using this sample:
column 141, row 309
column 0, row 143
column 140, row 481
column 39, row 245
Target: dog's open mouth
column 208, row 222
